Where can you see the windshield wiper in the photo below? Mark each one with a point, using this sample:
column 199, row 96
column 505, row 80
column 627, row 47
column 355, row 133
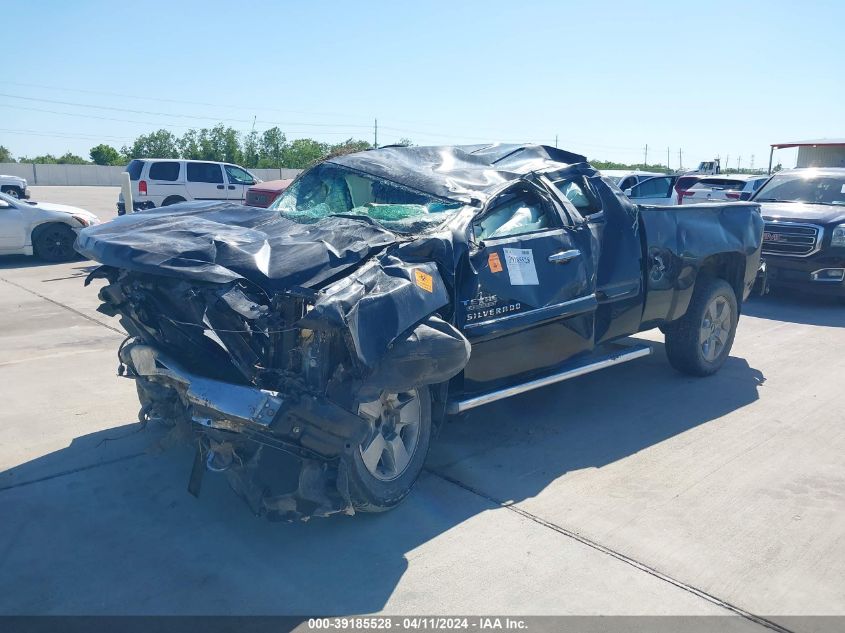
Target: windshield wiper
column 772, row 200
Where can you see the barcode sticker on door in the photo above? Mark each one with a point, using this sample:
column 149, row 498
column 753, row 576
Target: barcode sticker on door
column 520, row 263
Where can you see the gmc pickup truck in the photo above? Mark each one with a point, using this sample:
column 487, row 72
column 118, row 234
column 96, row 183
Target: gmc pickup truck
column 389, row 289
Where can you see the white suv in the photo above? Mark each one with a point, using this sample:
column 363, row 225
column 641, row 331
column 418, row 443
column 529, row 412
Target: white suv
column 13, row 186
column 159, row 182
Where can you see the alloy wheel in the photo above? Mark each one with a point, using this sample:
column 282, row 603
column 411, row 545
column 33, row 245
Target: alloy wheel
column 395, row 434
column 715, row 328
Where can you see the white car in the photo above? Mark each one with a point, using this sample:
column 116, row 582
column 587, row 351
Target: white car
column 13, row 186
column 627, row 179
column 718, row 188
column 160, row 182
column 41, row 228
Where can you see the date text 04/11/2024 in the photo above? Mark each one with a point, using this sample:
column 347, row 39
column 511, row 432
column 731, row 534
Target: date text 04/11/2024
column 417, row 623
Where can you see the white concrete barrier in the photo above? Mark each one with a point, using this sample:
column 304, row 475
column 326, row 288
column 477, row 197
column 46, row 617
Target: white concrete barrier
column 102, row 175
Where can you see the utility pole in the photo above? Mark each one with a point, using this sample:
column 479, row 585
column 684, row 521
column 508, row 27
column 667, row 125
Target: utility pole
column 668, row 170
column 375, row 134
column 645, row 156
column 680, row 159
column 739, row 164
column 555, row 141
column 727, row 163
column 752, row 162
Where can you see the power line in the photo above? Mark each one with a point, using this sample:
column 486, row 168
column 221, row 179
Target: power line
column 64, row 135
column 177, row 115
column 287, row 124
column 164, row 100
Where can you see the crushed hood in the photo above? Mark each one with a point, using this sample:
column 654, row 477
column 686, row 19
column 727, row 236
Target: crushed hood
column 224, row 242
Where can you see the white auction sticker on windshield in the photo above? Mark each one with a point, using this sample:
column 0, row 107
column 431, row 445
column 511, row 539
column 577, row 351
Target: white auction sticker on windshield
column 520, row 265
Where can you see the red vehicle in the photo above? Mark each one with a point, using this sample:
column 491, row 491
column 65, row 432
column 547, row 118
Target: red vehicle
column 264, row 194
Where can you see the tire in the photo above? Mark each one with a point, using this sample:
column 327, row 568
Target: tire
column 14, row 192
column 699, row 343
column 172, row 200
column 374, row 484
column 54, row 243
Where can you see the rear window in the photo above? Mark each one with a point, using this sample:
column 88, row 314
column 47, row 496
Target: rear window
column 205, row 172
column 134, row 169
column 685, row 182
column 726, row 184
column 164, row 171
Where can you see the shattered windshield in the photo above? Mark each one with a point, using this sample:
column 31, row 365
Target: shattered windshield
column 333, row 190
column 808, row 186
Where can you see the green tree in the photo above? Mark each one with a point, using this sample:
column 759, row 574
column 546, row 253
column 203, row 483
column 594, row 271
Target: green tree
column 71, row 159
column 405, row 142
column 103, row 154
column 160, row 144
column 348, row 146
column 302, row 153
column 272, row 148
column 46, row 159
column 218, row 143
column 5, row 155
column 251, row 150
column 189, row 145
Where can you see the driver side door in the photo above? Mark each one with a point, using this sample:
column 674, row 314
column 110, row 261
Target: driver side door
column 13, row 228
column 533, row 304
column 237, row 182
column 657, row 191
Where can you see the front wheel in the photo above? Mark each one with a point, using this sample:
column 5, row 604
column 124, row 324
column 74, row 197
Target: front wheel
column 54, row 243
column 14, row 192
column 385, row 466
column 699, row 343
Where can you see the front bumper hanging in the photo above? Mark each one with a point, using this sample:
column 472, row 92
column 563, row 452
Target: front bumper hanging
column 233, row 424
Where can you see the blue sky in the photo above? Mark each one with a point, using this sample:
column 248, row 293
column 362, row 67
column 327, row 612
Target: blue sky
column 607, row 77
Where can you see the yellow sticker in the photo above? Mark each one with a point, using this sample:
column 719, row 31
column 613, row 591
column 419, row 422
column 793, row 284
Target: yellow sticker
column 494, row 263
column 424, row 281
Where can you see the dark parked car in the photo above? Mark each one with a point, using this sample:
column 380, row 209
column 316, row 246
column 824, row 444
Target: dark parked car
column 386, row 290
column 804, row 239
column 264, row 194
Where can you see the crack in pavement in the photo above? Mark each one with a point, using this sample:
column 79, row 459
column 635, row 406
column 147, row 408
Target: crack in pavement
column 769, row 624
column 63, row 473
column 62, row 305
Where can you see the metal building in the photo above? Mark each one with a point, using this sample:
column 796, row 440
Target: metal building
column 823, row 152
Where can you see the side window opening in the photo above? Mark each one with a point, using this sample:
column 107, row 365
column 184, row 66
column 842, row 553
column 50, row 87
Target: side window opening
column 580, row 195
column 168, row 171
column 239, row 176
column 516, row 213
column 205, row 172
column 653, row 188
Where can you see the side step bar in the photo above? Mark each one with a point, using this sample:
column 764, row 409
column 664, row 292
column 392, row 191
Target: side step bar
column 619, row 353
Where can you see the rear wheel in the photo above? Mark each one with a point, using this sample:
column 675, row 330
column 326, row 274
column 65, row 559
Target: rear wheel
column 385, row 466
column 699, row 343
column 172, row 200
column 54, row 243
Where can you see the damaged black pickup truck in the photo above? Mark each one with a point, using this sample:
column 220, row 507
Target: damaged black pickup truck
column 387, row 290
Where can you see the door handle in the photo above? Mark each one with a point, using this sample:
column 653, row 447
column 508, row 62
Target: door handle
column 232, row 187
column 564, row 256
column 220, row 186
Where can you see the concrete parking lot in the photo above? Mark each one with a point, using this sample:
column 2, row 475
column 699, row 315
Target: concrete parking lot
column 630, row 491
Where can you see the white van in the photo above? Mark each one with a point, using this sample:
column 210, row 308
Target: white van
column 159, row 182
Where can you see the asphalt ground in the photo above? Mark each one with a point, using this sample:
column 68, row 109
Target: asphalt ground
column 635, row 490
